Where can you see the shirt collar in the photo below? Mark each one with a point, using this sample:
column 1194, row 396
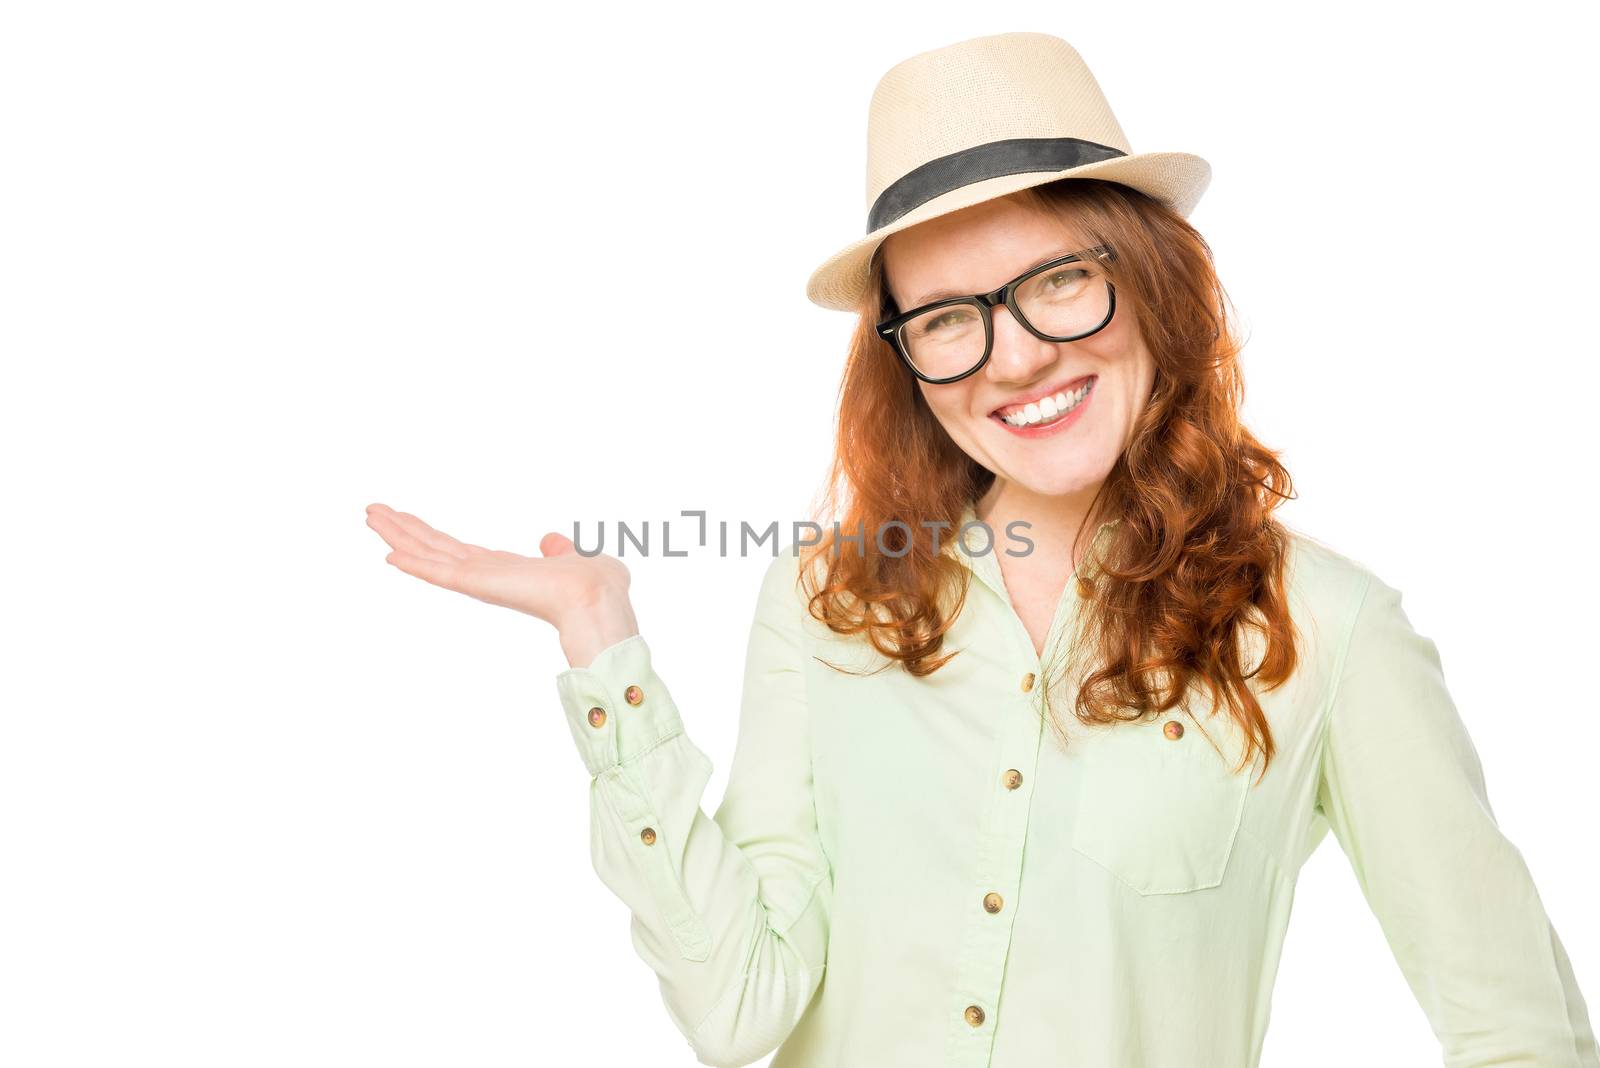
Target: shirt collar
column 986, row 564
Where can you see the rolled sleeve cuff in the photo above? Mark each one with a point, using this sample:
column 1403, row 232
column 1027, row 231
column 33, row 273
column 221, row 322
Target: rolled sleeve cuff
column 617, row 707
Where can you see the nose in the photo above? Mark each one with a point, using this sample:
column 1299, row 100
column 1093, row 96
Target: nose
column 1018, row 356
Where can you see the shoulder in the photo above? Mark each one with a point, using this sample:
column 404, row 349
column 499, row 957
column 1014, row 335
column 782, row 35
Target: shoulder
column 786, row 585
column 782, row 576
column 1330, row 589
column 1319, row 572
column 785, row 604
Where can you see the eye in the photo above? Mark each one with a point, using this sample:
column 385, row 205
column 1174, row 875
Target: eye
column 1065, row 277
column 953, row 317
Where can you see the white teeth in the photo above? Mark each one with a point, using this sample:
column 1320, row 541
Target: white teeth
column 1049, row 408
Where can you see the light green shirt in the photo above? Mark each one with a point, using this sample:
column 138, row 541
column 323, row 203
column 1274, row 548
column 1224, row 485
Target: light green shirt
column 918, row 872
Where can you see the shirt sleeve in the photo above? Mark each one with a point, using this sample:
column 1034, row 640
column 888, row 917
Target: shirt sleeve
column 731, row 911
column 1403, row 791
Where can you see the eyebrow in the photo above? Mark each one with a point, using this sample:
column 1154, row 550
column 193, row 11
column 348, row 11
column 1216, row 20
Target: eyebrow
column 941, row 294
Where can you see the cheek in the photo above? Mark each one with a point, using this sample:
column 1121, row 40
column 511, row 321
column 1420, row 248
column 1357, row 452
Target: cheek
column 1117, row 346
column 956, row 416
column 1121, row 351
column 948, row 404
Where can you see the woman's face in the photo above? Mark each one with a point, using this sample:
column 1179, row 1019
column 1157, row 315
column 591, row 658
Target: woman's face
column 975, row 250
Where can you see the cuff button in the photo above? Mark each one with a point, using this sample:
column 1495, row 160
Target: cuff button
column 597, row 717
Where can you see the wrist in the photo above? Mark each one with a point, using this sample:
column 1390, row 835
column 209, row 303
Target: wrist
column 595, row 627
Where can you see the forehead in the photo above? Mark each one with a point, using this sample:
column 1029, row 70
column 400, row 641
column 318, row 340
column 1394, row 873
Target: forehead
column 972, row 250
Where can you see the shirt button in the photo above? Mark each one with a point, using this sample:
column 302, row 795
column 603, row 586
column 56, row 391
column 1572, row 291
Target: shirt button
column 648, row 836
column 974, row 1016
column 597, row 717
column 1013, row 778
column 633, row 695
column 992, row 902
column 1173, row 729
column 1027, row 682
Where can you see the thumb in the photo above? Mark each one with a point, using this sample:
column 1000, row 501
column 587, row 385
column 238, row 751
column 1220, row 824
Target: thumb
column 555, row 544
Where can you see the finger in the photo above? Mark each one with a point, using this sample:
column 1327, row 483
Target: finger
column 463, row 576
column 443, row 572
column 401, row 539
column 556, row 544
column 436, row 539
column 422, row 532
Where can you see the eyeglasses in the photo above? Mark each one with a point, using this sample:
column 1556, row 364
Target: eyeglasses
column 1063, row 300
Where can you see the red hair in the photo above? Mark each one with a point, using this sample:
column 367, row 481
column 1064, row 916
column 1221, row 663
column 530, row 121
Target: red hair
column 1196, row 565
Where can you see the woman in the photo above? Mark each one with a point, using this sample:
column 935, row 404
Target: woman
column 1051, row 518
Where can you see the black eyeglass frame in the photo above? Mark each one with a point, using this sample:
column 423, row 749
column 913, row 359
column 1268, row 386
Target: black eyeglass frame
column 890, row 329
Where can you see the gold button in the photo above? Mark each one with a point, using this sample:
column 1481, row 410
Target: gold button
column 1173, row 729
column 992, row 902
column 597, row 717
column 633, row 695
column 974, row 1016
column 1027, row 682
column 648, row 836
column 1013, row 778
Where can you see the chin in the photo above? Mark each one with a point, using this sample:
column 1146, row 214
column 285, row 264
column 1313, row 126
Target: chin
column 1053, row 487
column 1047, row 467
column 1074, row 477
column 1066, row 466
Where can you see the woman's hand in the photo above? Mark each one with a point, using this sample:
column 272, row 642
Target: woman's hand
column 584, row 597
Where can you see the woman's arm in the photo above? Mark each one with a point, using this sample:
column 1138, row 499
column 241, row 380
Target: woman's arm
column 1403, row 790
column 730, row 911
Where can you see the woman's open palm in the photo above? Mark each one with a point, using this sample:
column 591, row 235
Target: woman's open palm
column 554, row 587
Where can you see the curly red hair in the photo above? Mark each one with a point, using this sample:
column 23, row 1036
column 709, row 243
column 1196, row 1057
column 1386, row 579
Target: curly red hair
column 1194, row 570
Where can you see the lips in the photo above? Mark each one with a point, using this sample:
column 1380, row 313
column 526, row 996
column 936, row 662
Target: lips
column 1066, row 386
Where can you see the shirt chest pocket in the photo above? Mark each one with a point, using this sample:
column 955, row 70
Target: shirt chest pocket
column 1160, row 803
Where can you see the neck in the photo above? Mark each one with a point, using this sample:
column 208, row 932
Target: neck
column 1054, row 519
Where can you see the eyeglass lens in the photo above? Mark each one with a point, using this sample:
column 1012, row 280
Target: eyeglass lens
column 1063, row 302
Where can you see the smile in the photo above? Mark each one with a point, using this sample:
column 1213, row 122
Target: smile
column 1046, row 411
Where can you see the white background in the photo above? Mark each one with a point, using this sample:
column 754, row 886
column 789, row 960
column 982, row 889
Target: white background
column 267, row 800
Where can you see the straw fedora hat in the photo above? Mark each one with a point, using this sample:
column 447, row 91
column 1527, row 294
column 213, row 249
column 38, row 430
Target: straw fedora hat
column 982, row 118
